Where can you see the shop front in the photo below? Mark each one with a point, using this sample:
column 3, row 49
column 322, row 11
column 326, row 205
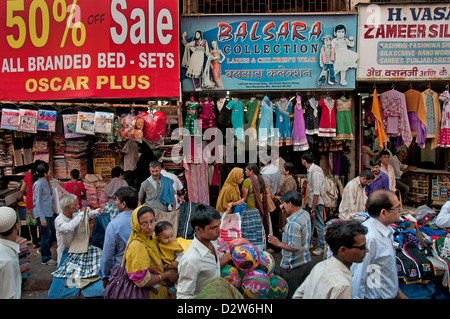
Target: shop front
column 404, row 61
column 277, row 81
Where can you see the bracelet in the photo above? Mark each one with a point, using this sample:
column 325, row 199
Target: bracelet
column 160, row 278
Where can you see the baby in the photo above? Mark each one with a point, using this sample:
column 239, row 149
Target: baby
column 171, row 249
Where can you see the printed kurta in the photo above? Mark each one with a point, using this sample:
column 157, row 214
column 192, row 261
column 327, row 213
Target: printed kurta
column 444, row 135
column 394, row 115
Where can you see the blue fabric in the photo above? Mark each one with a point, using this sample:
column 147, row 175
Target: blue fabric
column 418, row 291
column 430, row 231
column 166, row 196
column 98, row 231
column 48, row 236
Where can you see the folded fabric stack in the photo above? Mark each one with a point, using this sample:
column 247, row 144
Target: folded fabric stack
column 59, row 161
column 24, row 257
column 76, row 156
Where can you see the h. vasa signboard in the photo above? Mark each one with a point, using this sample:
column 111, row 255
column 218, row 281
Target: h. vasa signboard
column 268, row 52
column 404, row 42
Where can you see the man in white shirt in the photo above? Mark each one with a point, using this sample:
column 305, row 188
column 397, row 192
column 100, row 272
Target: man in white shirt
column 354, row 195
column 201, row 263
column 443, row 218
column 402, row 183
column 10, row 276
column 331, row 278
column 376, row 277
column 314, row 203
column 387, row 168
column 177, row 186
column 67, row 222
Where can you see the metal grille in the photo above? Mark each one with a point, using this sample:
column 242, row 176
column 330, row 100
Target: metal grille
column 262, row 6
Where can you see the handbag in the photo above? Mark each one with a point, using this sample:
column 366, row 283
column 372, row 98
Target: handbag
column 120, row 286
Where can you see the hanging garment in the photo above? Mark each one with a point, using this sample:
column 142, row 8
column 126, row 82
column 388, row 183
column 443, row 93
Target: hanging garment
column 224, row 117
column 394, row 115
column 344, row 121
column 444, row 134
column 191, row 117
column 197, row 182
column 433, row 110
column 207, row 115
column 327, row 124
column 283, row 108
column 369, row 119
column 252, row 117
column 311, row 116
column 299, row 139
column 265, row 130
column 379, row 128
column 237, row 117
column 415, row 105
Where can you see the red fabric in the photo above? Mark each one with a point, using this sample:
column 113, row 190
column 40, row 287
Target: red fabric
column 75, row 188
column 29, row 196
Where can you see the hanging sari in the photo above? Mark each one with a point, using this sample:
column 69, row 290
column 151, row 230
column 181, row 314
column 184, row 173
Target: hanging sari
column 143, row 259
column 230, row 190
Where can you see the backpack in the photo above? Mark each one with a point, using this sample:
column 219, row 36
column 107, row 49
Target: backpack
column 329, row 191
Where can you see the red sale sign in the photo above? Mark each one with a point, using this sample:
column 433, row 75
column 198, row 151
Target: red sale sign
column 64, row 49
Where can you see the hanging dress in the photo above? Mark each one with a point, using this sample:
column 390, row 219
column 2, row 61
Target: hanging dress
column 327, row 124
column 444, row 134
column 299, row 139
column 237, row 117
column 191, row 117
column 433, row 110
column 283, row 108
column 311, row 116
column 207, row 115
column 265, row 130
column 344, row 121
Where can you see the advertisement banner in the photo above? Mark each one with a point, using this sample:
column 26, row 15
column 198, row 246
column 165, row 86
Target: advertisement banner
column 404, row 42
column 65, row 49
column 268, row 52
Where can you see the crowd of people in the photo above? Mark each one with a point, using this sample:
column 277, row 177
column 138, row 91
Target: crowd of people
column 166, row 266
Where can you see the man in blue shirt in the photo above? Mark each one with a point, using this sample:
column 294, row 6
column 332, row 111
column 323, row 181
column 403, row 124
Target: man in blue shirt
column 381, row 179
column 118, row 231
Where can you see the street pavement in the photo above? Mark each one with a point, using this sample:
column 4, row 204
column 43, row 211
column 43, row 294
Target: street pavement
column 38, row 282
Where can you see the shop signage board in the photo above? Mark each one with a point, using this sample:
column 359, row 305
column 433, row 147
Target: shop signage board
column 268, row 52
column 63, row 49
column 403, row 42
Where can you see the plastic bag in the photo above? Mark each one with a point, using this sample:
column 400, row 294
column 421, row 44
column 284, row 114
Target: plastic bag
column 155, row 126
column 57, row 193
column 132, row 126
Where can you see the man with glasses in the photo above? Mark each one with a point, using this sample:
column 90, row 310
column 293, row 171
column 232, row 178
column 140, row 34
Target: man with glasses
column 376, row 277
column 331, row 278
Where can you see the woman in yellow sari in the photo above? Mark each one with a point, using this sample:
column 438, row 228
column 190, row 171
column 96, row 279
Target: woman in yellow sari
column 230, row 194
column 144, row 264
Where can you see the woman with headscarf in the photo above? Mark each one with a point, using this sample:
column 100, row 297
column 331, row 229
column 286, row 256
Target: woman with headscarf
column 142, row 258
column 230, row 194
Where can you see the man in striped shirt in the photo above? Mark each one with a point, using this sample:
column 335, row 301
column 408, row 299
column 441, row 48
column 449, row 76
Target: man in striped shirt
column 376, row 277
column 354, row 195
column 296, row 259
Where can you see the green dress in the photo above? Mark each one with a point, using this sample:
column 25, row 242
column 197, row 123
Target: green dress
column 344, row 122
column 191, row 118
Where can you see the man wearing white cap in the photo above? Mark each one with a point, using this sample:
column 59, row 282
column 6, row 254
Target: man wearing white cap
column 10, row 276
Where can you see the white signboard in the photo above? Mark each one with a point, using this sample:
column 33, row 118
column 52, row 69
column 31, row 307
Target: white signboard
column 403, row 42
